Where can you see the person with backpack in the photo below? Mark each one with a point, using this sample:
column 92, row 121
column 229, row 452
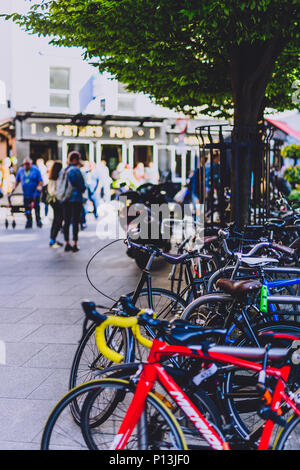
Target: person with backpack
column 69, row 190
column 54, row 203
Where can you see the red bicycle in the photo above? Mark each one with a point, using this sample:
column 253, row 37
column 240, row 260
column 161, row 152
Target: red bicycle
column 119, row 414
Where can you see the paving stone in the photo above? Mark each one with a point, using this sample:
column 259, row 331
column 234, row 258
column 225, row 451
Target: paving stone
column 41, row 320
column 11, row 289
column 54, row 316
column 16, row 300
column 23, row 420
column 53, row 301
column 53, row 356
column 56, row 289
column 55, row 334
column 54, row 387
column 22, row 382
column 14, row 334
column 8, row 445
column 14, row 315
column 81, row 292
column 17, row 355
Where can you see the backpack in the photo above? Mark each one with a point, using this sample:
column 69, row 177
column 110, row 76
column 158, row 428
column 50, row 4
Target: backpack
column 64, row 188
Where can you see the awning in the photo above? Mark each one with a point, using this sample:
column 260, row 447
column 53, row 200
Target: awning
column 293, row 135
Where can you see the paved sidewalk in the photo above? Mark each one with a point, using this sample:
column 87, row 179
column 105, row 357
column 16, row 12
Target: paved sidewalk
column 41, row 320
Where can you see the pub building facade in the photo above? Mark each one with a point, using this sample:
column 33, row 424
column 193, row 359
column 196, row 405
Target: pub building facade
column 115, row 139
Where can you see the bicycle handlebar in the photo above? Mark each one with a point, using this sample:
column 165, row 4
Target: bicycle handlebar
column 266, row 244
column 284, row 249
column 171, row 259
column 131, row 322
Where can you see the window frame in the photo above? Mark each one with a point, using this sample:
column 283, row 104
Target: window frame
column 66, row 92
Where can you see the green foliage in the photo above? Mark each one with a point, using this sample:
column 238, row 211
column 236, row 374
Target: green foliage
column 291, row 151
column 292, row 174
column 295, row 195
column 179, row 52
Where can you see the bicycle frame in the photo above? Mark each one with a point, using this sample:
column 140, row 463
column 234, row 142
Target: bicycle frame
column 268, row 284
column 280, row 283
column 250, row 273
column 153, row 372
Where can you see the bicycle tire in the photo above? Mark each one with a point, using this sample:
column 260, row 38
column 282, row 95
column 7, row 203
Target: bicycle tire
column 193, row 308
column 52, row 435
column 88, row 365
column 244, row 425
column 88, row 341
column 237, row 411
column 192, row 436
column 285, row 439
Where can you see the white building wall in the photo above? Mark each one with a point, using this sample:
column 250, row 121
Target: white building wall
column 25, row 68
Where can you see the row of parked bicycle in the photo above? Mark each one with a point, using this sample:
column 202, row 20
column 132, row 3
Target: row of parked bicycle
column 213, row 362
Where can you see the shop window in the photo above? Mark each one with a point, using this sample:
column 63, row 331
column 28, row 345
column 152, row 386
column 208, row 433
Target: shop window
column 142, row 154
column 178, row 166
column 83, row 149
column 59, row 87
column 188, row 163
column 47, row 150
column 112, row 154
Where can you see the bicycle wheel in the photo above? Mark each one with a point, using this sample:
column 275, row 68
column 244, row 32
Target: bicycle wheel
column 62, row 433
column 166, row 304
column 153, row 431
column 208, row 409
column 289, row 437
column 88, row 361
column 288, row 312
column 199, row 397
column 240, row 393
column 209, row 310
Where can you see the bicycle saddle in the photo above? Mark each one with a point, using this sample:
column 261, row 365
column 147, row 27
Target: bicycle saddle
column 177, row 259
column 258, row 262
column 238, row 288
column 185, row 334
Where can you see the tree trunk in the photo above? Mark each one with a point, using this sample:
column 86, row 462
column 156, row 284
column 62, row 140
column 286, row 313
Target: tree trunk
column 251, row 68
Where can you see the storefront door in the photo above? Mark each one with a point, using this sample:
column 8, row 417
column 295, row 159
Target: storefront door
column 111, row 153
column 142, row 153
column 84, row 147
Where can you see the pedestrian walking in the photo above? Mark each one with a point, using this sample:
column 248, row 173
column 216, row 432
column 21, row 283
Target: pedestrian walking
column 85, row 170
column 92, row 186
column 72, row 180
column 104, row 181
column 194, row 188
column 55, row 204
column 32, row 182
column 44, row 172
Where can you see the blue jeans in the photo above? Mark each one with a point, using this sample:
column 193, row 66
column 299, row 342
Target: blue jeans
column 94, row 197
